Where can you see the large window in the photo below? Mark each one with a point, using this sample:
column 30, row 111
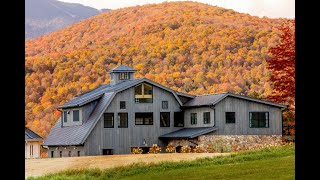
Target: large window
column 108, row 120
column 65, row 119
column 143, row 93
column 164, row 104
column 230, row 117
column 193, row 118
column 124, row 75
column 206, row 118
column 178, row 119
column 164, row 119
column 76, row 115
column 122, row 105
column 144, row 118
column 259, row 119
column 122, row 120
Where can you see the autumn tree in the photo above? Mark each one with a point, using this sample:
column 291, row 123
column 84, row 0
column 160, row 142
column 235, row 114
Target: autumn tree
column 282, row 66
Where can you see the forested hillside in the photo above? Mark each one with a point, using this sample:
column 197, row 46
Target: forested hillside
column 187, row 46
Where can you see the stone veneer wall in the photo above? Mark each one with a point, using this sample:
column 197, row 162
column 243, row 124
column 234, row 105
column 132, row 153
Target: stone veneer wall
column 233, row 142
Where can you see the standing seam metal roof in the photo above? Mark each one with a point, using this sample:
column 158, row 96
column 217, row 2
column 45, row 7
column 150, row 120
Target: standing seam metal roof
column 75, row 135
column 212, row 99
column 28, row 134
column 188, row 132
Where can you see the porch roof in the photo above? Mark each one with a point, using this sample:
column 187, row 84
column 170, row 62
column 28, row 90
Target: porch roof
column 188, row 133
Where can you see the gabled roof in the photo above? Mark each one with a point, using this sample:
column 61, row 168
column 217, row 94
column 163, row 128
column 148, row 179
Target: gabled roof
column 76, row 135
column 97, row 93
column 28, row 134
column 212, row 99
column 122, row 68
column 188, row 133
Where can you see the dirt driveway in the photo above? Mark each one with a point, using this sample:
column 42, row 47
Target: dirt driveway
column 36, row 167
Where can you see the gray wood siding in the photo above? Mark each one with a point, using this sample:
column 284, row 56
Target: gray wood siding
column 241, row 126
column 122, row 139
column 199, row 111
column 87, row 110
column 70, row 121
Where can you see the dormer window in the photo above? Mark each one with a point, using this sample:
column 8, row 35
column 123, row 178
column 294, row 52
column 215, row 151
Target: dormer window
column 124, row 75
column 143, row 93
column 65, row 116
column 75, row 115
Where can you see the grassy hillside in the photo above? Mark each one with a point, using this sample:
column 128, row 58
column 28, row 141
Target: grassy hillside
column 269, row 163
column 190, row 47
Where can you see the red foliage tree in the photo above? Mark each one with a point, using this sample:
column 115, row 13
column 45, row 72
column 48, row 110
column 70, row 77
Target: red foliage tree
column 282, row 66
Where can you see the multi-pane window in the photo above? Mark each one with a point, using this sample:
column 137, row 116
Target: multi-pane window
column 122, row 120
column 143, row 93
column 178, row 119
column 108, row 120
column 193, row 118
column 122, row 105
column 75, row 115
column 259, row 119
column 230, row 117
column 164, row 119
column 144, row 118
column 124, row 75
column 164, row 104
column 206, row 118
column 65, row 118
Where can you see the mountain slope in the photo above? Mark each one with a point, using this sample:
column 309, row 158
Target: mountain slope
column 187, row 46
column 45, row 16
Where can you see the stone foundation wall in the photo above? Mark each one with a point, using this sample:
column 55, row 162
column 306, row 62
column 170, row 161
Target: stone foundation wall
column 228, row 143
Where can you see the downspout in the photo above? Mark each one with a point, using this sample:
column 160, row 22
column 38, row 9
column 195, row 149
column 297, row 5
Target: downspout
column 211, row 106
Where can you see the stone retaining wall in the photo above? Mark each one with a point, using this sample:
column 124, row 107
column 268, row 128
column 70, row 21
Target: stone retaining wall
column 227, row 143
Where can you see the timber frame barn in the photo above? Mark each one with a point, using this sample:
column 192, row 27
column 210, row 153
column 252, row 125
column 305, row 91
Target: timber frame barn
column 127, row 113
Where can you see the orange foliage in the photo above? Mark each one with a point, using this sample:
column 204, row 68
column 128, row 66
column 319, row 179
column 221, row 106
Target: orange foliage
column 187, row 46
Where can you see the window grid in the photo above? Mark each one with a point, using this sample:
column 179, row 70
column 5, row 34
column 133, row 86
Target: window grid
column 193, row 118
column 108, row 120
column 164, row 104
column 258, row 119
column 206, row 118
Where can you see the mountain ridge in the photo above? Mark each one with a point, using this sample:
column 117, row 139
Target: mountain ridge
column 45, row 16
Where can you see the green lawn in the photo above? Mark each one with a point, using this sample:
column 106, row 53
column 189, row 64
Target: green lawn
column 269, row 163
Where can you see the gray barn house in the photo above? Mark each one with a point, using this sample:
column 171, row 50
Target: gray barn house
column 114, row 118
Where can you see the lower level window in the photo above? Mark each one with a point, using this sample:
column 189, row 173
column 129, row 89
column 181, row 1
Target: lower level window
column 144, row 118
column 193, row 118
column 123, row 120
column 164, row 119
column 259, row 119
column 107, row 151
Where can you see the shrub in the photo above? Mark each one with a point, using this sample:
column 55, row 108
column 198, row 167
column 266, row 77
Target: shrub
column 137, row 150
column 170, row 148
column 185, row 149
column 155, row 149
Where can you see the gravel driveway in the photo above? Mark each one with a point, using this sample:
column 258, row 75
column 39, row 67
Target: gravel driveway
column 36, row 167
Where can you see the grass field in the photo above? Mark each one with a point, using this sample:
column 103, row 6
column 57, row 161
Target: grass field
column 269, row 163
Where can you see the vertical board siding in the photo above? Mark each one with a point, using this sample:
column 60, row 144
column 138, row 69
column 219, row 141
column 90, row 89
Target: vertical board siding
column 199, row 111
column 242, row 108
column 122, row 139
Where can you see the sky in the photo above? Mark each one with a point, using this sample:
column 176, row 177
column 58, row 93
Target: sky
column 269, row 8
